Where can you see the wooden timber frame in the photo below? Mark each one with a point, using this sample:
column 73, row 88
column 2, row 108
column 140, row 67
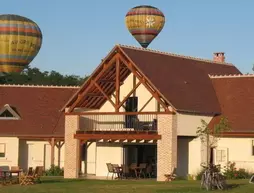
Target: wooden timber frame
column 104, row 85
column 53, row 141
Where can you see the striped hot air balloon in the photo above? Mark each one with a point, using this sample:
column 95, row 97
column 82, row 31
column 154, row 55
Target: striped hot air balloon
column 20, row 42
column 145, row 23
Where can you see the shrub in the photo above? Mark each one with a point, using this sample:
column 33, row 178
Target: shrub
column 54, row 171
column 231, row 172
column 200, row 173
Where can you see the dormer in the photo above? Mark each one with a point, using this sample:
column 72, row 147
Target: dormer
column 8, row 112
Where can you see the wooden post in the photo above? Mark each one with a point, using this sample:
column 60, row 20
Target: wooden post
column 52, row 143
column 59, row 145
column 134, row 85
column 117, row 85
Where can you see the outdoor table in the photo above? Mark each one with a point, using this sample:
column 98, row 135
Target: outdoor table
column 10, row 172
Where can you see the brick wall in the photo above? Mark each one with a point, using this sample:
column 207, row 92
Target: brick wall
column 71, row 164
column 167, row 146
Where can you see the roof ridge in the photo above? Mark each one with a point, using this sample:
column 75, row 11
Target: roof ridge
column 232, row 76
column 175, row 55
column 36, row 86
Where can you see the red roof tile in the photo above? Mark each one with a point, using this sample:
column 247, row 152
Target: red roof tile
column 236, row 98
column 184, row 81
column 39, row 109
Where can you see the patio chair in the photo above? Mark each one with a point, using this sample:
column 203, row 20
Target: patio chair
column 149, row 170
column 110, row 170
column 29, row 179
column 125, row 171
column 171, row 176
column 133, row 170
column 251, row 181
column 118, row 170
column 142, row 169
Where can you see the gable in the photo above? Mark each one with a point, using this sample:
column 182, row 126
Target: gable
column 179, row 82
column 104, row 84
column 9, row 113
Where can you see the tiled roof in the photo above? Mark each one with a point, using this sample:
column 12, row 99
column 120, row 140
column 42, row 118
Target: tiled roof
column 184, row 81
column 236, row 97
column 39, row 109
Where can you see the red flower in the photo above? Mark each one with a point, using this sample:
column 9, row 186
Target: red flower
column 235, row 175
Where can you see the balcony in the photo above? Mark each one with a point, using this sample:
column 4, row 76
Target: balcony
column 123, row 122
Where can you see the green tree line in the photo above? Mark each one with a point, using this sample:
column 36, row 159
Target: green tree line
column 37, row 77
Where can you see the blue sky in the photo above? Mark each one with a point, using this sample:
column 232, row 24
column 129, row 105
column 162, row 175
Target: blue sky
column 79, row 33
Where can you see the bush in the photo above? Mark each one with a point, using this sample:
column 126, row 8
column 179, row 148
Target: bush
column 54, row 171
column 231, row 172
column 200, row 173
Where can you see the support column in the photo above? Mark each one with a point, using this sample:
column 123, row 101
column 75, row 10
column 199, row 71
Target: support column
column 72, row 147
column 59, row 145
column 52, row 143
column 167, row 146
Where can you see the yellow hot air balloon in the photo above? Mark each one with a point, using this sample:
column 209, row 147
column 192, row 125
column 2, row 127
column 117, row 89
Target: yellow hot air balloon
column 145, row 23
column 20, row 42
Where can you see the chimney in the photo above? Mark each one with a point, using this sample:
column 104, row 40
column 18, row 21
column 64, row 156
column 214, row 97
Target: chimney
column 219, row 57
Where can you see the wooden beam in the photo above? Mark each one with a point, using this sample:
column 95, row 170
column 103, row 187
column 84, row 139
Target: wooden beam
column 122, row 104
column 59, row 145
column 118, row 113
column 52, row 143
column 109, row 81
column 130, row 93
column 117, row 136
column 94, row 95
column 106, row 66
column 144, row 106
column 134, row 84
column 106, row 96
column 117, row 84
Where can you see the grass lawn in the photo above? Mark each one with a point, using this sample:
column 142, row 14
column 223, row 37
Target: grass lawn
column 57, row 185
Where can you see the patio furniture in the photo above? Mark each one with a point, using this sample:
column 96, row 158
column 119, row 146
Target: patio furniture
column 111, row 170
column 29, row 179
column 251, row 181
column 133, row 170
column 142, row 169
column 7, row 176
column 118, row 170
column 125, row 171
column 171, row 176
column 149, row 170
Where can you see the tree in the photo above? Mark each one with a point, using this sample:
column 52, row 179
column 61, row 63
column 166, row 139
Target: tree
column 35, row 76
column 210, row 136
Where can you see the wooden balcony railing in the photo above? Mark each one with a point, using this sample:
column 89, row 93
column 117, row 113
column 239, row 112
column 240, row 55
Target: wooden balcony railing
column 118, row 122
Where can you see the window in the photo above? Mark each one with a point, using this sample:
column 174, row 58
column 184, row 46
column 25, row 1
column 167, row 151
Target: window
column 252, row 147
column 9, row 113
column 220, row 155
column 2, row 150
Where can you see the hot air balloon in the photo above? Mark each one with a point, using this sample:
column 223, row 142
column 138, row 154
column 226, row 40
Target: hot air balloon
column 20, row 42
column 144, row 23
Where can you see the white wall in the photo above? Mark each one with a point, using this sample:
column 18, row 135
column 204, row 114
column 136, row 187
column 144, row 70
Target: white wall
column 239, row 150
column 195, row 157
column 107, row 153
column 38, row 153
column 91, row 159
column 11, row 151
column 187, row 124
column 98, row 154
